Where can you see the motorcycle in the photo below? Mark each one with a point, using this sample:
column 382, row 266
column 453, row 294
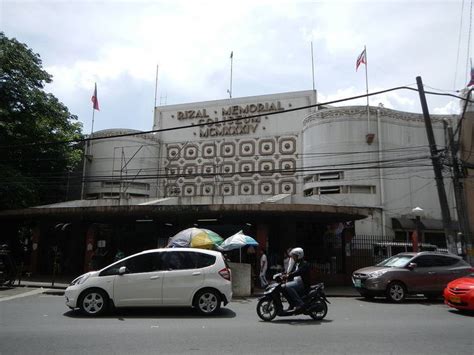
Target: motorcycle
column 270, row 304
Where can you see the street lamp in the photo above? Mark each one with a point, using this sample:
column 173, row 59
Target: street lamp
column 416, row 236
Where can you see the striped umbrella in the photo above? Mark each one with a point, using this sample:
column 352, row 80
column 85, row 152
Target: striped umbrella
column 195, row 238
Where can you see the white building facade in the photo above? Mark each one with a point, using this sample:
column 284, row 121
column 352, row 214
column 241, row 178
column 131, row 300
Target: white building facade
column 381, row 160
column 279, row 147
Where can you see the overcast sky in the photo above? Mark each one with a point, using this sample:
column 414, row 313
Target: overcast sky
column 119, row 44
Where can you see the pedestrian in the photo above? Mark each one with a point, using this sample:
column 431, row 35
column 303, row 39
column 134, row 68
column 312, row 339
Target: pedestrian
column 119, row 255
column 263, row 269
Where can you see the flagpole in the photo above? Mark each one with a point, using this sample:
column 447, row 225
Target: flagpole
column 156, row 85
column 312, row 62
column 312, row 70
column 367, row 90
column 231, row 64
column 88, row 143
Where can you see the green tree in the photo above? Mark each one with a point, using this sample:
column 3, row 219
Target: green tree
column 33, row 124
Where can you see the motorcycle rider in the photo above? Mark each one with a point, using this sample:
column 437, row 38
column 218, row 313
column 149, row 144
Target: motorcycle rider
column 299, row 280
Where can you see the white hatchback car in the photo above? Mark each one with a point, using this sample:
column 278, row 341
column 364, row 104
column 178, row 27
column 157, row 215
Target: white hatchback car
column 158, row 277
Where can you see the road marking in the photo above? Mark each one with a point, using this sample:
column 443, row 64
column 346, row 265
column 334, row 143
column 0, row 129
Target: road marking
column 26, row 294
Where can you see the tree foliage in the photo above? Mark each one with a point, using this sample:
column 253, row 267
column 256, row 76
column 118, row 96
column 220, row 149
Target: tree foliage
column 33, row 162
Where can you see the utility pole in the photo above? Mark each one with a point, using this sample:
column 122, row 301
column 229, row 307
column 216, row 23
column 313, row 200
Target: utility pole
column 435, row 158
column 461, row 206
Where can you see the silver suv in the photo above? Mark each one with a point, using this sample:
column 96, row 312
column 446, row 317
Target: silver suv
column 410, row 273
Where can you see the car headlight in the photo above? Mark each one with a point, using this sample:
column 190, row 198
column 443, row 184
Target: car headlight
column 80, row 280
column 375, row 274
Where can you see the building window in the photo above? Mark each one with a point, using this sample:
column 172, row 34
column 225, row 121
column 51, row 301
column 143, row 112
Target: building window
column 333, row 175
column 361, row 189
column 324, row 190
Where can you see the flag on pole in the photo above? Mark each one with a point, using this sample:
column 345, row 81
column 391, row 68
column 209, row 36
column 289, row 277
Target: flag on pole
column 95, row 99
column 361, row 59
column 231, row 54
column 471, row 82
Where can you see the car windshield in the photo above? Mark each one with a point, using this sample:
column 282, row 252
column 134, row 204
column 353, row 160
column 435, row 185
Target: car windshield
column 396, row 261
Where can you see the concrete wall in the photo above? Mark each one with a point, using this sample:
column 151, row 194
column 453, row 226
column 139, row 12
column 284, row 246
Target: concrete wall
column 128, row 158
column 241, row 279
column 334, row 140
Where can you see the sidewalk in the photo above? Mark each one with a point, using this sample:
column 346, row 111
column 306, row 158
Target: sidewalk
column 59, row 287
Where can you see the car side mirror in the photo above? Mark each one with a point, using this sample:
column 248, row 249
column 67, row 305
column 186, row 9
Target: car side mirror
column 411, row 266
column 122, row 270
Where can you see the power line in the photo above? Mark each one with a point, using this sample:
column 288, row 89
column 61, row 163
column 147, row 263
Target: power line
column 228, row 120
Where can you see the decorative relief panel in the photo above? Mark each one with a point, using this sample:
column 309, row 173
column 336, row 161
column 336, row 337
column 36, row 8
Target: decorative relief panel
column 246, row 188
column 227, row 169
column 287, row 166
column 266, row 187
column 287, row 145
column 360, row 112
column 227, row 189
column 246, row 168
column 227, row 149
column 266, row 147
column 266, row 167
column 207, row 189
column 232, row 168
column 173, row 169
column 208, row 170
column 190, row 152
column 172, row 151
column 287, row 187
column 209, row 150
column 173, row 190
column 247, row 148
column 189, row 190
column 190, row 171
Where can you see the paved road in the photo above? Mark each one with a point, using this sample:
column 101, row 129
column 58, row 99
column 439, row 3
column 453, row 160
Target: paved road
column 41, row 324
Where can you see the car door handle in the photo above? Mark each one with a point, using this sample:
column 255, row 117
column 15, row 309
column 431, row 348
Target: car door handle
column 154, row 277
column 431, row 272
column 196, row 273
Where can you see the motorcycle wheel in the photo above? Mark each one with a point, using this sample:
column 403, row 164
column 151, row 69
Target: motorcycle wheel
column 266, row 309
column 319, row 314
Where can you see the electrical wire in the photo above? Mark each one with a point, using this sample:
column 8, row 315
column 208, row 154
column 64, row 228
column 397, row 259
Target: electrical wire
column 227, row 120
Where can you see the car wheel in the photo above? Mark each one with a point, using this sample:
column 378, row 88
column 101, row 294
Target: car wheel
column 396, row 292
column 93, row 302
column 207, row 301
column 266, row 309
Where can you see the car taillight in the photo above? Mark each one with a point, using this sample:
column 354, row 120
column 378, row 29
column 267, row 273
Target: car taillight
column 225, row 273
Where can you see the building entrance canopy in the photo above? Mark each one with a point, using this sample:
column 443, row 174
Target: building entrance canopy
column 247, row 212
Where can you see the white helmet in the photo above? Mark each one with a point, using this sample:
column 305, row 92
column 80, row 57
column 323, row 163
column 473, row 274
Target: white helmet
column 298, row 252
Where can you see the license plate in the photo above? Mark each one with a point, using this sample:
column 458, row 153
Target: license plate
column 455, row 299
column 357, row 283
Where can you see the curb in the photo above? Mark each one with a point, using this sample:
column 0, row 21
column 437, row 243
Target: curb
column 59, row 291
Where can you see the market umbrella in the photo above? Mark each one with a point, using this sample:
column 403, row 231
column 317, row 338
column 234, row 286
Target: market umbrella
column 237, row 241
column 195, row 238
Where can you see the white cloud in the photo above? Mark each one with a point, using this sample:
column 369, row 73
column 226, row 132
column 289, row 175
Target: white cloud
column 451, row 108
column 119, row 43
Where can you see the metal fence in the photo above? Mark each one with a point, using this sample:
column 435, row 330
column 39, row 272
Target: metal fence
column 366, row 250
